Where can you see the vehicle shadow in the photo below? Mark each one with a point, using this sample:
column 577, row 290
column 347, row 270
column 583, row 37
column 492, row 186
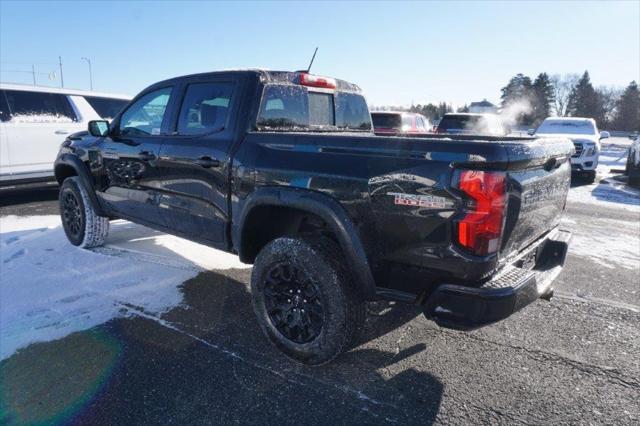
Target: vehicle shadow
column 29, row 200
column 207, row 359
column 616, row 192
column 578, row 180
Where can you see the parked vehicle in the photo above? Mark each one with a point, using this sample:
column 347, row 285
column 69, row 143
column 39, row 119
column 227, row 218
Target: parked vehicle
column 389, row 123
column 34, row 121
column 584, row 134
column 632, row 169
column 463, row 123
column 283, row 169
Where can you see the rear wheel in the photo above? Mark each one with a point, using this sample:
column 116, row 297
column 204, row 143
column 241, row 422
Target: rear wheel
column 590, row 176
column 304, row 299
column 82, row 225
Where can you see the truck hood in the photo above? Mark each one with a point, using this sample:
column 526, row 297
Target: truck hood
column 572, row 136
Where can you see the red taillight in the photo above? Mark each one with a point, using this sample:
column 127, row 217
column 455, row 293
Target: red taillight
column 481, row 228
column 317, row 81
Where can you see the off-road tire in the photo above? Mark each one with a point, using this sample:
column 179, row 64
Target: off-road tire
column 321, row 261
column 88, row 229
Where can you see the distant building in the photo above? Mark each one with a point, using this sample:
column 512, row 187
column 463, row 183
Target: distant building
column 483, row 107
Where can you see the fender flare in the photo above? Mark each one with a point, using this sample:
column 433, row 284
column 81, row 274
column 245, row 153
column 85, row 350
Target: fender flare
column 70, row 160
column 326, row 208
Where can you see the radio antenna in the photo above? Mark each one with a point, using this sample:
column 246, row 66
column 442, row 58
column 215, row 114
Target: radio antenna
column 312, row 58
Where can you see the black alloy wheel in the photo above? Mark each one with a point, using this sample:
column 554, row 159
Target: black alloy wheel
column 72, row 214
column 293, row 303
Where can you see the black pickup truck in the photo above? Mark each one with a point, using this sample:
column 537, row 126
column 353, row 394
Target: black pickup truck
column 282, row 168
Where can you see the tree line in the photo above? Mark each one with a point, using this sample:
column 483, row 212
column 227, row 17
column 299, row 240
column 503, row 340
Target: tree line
column 528, row 102
column 571, row 96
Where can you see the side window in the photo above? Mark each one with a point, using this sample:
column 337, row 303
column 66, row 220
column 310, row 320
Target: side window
column 205, row 108
column 4, row 108
column 420, row 123
column 144, row 117
column 407, row 122
column 39, row 107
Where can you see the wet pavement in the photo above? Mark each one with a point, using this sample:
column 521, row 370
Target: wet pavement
column 575, row 359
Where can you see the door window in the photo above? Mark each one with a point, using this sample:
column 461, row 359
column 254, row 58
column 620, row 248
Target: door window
column 205, row 108
column 39, row 107
column 144, row 117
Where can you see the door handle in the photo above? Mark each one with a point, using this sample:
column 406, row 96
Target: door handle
column 61, row 132
column 146, row 156
column 207, row 162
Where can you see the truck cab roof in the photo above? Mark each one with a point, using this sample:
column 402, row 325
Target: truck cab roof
column 263, row 75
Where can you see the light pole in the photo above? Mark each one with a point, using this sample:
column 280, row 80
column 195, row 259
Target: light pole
column 90, row 75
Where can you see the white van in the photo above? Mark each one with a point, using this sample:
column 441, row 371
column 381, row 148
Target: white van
column 35, row 120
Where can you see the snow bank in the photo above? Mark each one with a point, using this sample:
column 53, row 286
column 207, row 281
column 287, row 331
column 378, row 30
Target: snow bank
column 49, row 288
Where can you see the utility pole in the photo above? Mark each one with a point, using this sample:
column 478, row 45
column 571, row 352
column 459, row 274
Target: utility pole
column 33, row 72
column 61, row 77
column 90, row 75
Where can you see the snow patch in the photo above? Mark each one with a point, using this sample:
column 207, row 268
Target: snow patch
column 597, row 240
column 49, row 288
column 609, row 192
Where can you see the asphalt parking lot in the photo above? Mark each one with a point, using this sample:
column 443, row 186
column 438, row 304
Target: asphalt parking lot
column 202, row 358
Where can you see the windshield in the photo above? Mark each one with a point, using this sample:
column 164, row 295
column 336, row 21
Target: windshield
column 386, row 121
column 295, row 108
column 574, row 127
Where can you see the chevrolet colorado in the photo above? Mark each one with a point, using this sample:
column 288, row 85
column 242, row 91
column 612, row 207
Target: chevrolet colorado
column 283, row 169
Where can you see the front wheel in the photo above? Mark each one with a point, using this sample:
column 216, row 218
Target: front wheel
column 305, row 300
column 82, row 225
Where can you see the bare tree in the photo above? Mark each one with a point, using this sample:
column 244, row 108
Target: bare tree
column 563, row 86
column 608, row 98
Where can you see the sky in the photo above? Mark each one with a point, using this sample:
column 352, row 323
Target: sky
column 398, row 53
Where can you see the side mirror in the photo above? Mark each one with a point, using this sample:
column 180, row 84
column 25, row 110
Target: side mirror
column 531, row 132
column 99, row 128
column 605, row 135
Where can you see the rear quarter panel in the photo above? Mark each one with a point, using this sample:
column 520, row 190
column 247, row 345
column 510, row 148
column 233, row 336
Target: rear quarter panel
column 366, row 174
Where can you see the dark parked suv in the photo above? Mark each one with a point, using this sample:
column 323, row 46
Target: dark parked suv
column 283, row 169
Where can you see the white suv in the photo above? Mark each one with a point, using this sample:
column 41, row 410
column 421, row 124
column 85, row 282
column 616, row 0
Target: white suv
column 34, row 121
column 584, row 134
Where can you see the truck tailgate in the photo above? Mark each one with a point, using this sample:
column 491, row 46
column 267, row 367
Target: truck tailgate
column 538, row 177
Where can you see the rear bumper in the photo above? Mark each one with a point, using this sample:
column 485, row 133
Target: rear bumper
column 516, row 286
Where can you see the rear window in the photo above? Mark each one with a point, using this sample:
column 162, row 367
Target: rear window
column 295, row 108
column 460, row 122
column 386, row 121
column 107, row 108
column 39, row 107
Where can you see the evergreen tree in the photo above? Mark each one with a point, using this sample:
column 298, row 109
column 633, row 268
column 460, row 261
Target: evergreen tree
column 517, row 96
column 543, row 97
column 584, row 101
column 464, row 108
column 627, row 116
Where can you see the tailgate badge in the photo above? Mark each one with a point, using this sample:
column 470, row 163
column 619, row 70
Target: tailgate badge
column 426, row 201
